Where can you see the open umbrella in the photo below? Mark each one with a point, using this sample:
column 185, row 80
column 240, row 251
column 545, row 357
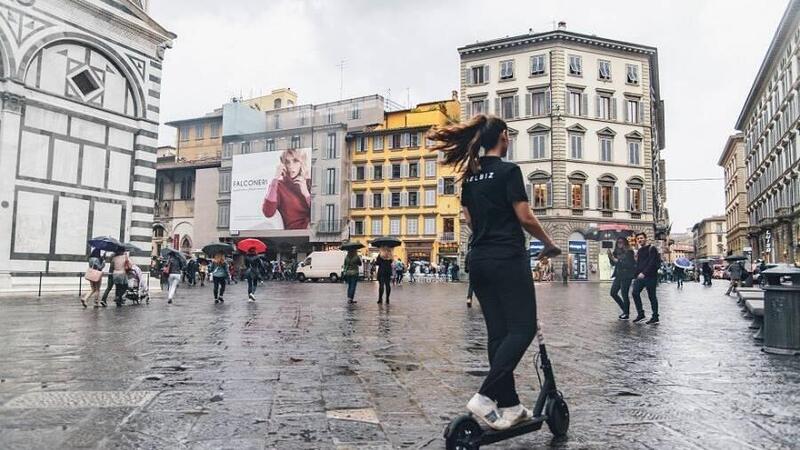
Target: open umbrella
column 734, row 258
column 166, row 252
column 246, row 244
column 218, row 247
column 130, row 247
column 106, row 243
column 683, row 263
column 386, row 241
column 351, row 245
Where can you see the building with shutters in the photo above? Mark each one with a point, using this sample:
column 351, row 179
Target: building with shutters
column 732, row 162
column 399, row 188
column 709, row 238
column 586, row 125
column 80, row 83
column 769, row 120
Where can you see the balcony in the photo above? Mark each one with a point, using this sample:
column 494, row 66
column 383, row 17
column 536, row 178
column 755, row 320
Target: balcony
column 447, row 236
column 330, row 226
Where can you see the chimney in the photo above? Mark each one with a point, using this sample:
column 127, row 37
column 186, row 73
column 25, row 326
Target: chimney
column 562, row 25
column 455, row 95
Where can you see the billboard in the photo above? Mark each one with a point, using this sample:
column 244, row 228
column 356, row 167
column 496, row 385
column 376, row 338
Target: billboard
column 271, row 190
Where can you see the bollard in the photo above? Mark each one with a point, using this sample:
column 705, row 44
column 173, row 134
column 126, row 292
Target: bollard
column 782, row 311
column 40, row 284
column 80, row 285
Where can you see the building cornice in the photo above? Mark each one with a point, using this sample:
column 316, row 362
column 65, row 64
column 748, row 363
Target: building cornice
column 730, row 145
column 557, row 35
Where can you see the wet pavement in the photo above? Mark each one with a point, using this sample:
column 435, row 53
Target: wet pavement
column 299, row 369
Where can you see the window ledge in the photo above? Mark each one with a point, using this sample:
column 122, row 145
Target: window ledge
column 537, row 75
column 504, row 80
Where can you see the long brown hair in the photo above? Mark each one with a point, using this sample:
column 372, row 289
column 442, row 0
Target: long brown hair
column 461, row 142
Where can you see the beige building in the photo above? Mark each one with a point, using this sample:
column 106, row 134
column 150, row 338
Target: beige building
column 769, row 123
column 586, row 123
column 709, row 238
column 679, row 245
column 732, row 162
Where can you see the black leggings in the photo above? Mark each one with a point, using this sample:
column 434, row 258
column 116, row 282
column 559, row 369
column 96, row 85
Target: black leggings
column 622, row 285
column 384, row 282
column 505, row 291
column 219, row 286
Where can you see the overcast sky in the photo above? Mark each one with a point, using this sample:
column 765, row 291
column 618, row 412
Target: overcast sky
column 709, row 53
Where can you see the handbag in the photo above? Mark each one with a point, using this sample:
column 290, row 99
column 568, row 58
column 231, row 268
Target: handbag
column 93, row 275
column 165, row 270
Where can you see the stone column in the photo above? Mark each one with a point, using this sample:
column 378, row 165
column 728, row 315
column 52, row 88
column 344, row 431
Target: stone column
column 10, row 123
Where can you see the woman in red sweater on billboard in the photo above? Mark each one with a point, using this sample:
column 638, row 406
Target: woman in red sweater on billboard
column 289, row 192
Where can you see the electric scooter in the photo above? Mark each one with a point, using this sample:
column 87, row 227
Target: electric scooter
column 465, row 433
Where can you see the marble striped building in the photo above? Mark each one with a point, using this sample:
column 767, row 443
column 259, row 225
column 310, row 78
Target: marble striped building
column 80, row 84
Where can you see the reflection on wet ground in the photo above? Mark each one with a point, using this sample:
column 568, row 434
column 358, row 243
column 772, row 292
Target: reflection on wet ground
column 302, row 369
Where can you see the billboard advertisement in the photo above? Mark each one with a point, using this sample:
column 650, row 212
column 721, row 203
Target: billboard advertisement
column 271, row 191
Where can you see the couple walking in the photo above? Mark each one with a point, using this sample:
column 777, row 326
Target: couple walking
column 640, row 271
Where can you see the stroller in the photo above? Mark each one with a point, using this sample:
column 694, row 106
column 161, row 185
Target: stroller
column 137, row 290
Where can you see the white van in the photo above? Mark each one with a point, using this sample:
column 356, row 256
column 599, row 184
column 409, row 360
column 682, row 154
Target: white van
column 320, row 265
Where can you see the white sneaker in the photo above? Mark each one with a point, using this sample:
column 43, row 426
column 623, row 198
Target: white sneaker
column 485, row 409
column 252, row 297
column 516, row 414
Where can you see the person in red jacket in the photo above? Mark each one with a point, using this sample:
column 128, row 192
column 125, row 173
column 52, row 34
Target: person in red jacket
column 290, row 192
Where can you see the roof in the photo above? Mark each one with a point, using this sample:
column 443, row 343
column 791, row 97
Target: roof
column 198, row 164
column 179, row 122
column 729, row 145
column 782, row 34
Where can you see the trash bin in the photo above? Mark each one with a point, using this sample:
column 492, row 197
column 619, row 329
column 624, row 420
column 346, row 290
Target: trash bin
column 782, row 311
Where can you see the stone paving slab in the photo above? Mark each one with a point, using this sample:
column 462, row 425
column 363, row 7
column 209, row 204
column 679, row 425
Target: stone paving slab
column 300, row 369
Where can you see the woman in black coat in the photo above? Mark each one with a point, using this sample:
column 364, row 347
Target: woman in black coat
column 624, row 263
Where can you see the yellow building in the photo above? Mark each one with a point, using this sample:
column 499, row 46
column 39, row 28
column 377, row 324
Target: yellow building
column 399, row 187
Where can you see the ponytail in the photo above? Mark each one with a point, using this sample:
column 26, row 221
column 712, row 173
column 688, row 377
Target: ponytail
column 461, row 142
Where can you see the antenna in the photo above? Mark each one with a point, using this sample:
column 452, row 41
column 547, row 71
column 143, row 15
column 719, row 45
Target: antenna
column 341, row 67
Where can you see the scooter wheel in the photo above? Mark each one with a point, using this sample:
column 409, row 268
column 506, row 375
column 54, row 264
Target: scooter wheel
column 463, row 433
column 557, row 415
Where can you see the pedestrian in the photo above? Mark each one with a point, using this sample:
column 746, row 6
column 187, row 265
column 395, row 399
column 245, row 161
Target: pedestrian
column 252, row 267
column 191, row 271
column 495, row 205
column 454, row 271
column 565, row 272
column 202, row 269
column 95, row 277
column 624, row 263
column 648, row 260
column 350, row 270
column 399, row 269
column 384, row 263
column 109, row 279
column 679, row 273
column 121, row 266
column 219, row 276
column 174, row 267
column 412, row 272
column 707, row 273
column 735, row 271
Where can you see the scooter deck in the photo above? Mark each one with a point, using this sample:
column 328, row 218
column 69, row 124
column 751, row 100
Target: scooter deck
column 491, row 436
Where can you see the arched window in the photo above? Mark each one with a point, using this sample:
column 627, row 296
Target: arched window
column 607, row 193
column 635, row 195
column 79, row 72
column 578, row 191
column 276, row 104
column 186, row 244
column 540, row 190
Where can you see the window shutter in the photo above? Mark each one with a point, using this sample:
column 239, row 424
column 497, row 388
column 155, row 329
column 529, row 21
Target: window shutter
column 529, row 192
column 404, row 199
column 370, row 172
column 644, row 199
column 625, row 110
column 468, row 110
column 440, row 186
column 597, row 106
column 613, row 109
column 528, row 101
column 547, row 101
column 569, row 195
column 586, row 196
column 486, row 73
column 628, row 200
column 351, row 227
column 616, row 198
column 497, row 111
column 486, row 106
column 584, row 104
column 368, row 200
column 387, row 199
column 549, row 194
column 469, row 76
column 641, row 113
column 352, row 200
column 404, row 169
column 352, row 173
column 516, row 106
column 599, row 203
column 566, row 102
column 387, row 171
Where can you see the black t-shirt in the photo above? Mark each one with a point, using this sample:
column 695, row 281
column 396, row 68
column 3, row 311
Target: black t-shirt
column 489, row 196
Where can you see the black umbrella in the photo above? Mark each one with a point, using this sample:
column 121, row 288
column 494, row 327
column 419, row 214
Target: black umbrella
column 106, row 243
column 218, row 247
column 351, row 245
column 734, row 258
column 386, row 241
column 130, row 247
column 166, row 252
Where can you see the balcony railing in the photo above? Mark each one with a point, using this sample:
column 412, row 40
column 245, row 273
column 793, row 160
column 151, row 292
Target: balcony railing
column 447, row 236
column 330, row 226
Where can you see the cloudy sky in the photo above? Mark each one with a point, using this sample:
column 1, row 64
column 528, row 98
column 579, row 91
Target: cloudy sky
column 709, row 54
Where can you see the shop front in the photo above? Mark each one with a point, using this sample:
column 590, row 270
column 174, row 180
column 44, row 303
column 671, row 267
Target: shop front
column 578, row 257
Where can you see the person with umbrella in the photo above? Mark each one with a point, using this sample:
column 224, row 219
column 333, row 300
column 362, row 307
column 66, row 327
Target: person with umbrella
column 707, row 273
column 106, row 244
column 681, row 265
column 385, row 265
column 495, row 205
column 96, row 265
column 173, row 268
column 202, row 269
column 350, row 269
column 735, row 271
